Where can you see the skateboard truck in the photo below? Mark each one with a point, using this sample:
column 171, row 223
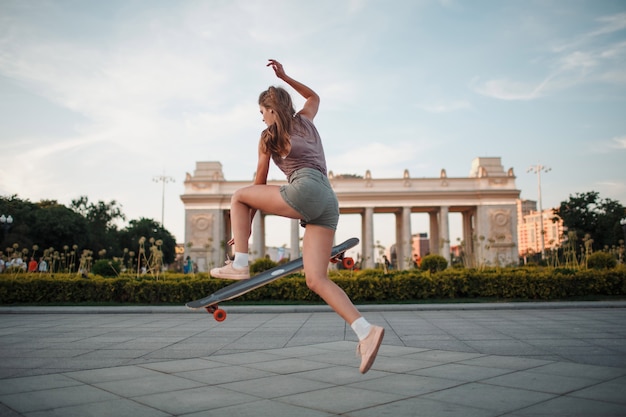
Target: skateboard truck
column 347, row 262
column 218, row 313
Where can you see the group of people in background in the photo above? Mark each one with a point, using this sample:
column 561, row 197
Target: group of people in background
column 18, row 264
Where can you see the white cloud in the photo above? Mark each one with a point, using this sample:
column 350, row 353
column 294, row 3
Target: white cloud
column 382, row 160
column 618, row 142
column 585, row 59
column 507, row 89
column 445, row 107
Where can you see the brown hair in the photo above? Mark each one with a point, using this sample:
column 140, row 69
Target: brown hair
column 276, row 138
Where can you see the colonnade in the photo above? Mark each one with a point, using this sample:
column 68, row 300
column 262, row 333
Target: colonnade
column 486, row 199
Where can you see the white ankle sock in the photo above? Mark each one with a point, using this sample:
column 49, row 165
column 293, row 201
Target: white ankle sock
column 361, row 327
column 241, row 260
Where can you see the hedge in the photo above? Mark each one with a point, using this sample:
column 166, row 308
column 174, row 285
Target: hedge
column 367, row 286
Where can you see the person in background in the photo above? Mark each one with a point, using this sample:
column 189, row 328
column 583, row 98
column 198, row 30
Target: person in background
column 32, row 265
column 43, row 265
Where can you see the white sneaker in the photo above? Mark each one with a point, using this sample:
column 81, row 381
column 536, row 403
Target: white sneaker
column 368, row 348
column 228, row 271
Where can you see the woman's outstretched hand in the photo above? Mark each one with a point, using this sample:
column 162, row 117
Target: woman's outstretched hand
column 277, row 67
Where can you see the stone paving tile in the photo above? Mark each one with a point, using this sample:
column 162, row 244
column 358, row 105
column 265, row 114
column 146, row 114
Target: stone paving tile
column 264, row 408
column 147, row 385
column 422, row 407
column 183, row 365
column 577, row 369
column 570, row 407
column 432, row 363
column 611, row 391
column 276, row 386
column 505, row 362
column 119, row 373
column 490, row 397
column 340, row 399
column 37, row 383
column 194, row 400
column 25, row 402
column 406, row 385
column 461, row 372
column 289, row 365
column 225, row 374
column 113, row 408
column 553, row 384
column 341, row 375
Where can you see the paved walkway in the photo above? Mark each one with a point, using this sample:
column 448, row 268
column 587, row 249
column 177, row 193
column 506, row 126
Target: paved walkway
column 514, row 360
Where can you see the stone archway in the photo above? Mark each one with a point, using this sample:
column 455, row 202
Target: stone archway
column 486, row 200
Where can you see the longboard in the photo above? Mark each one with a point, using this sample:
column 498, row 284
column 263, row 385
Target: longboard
column 239, row 288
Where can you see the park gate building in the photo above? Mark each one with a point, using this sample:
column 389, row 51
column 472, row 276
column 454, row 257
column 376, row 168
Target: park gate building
column 486, row 200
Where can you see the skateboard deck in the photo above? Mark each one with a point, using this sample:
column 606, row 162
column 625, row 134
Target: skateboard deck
column 239, row 288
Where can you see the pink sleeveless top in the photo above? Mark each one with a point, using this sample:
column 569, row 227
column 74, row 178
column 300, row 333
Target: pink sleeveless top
column 306, row 149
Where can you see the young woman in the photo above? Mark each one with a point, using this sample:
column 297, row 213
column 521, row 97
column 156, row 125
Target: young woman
column 293, row 143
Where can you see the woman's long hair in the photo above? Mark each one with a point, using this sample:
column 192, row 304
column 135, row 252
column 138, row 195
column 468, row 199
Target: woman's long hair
column 276, row 138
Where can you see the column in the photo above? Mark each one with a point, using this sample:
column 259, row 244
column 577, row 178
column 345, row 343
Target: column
column 295, row 239
column 218, row 255
column 468, row 238
column 367, row 245
column 407, row 240
column 444, row 237
column 434, row 234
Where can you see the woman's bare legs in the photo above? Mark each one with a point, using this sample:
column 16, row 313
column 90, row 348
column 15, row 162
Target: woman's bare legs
column 316, row 248
column 317, row 243
column 265, row 198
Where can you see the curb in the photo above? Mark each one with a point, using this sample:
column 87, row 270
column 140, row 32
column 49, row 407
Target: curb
column 272, row 309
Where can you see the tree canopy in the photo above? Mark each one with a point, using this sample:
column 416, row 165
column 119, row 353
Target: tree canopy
column 587, row 214
column 83, row 225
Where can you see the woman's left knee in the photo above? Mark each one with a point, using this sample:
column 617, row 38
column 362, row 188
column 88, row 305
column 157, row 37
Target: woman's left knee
column 312, row 282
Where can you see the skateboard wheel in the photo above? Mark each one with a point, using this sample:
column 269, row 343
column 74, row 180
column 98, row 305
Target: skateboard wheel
column 348, row 263
column 334, row 260
column 219, row 315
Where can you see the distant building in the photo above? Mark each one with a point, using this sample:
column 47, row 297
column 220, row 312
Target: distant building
column 530, row 226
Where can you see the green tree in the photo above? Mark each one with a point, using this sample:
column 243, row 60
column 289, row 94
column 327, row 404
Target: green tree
column 22, row 213
column 101, row 227
column 148, row 228
column 588, row 214
column 56, row 226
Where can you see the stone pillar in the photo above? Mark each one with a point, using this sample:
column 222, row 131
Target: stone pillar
column 367, row 245
column 468, row 238
column 407, row 241
column 444, row 236
column 434, row 233
column 257, row 250
column 295, row 239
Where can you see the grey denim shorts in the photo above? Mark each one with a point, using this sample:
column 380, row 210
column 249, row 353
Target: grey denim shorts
column 310, row 194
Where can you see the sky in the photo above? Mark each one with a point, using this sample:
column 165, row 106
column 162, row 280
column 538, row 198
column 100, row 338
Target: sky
column 99, row 98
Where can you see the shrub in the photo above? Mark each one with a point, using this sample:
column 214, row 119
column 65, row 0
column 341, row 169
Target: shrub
column 601, row 260
column 433, row 263
column 106, row 268
column 262, row 264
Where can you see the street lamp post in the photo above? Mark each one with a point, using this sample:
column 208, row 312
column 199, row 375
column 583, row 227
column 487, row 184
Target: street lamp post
column 163, row 179
column 6, row 222
column 537, row 170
